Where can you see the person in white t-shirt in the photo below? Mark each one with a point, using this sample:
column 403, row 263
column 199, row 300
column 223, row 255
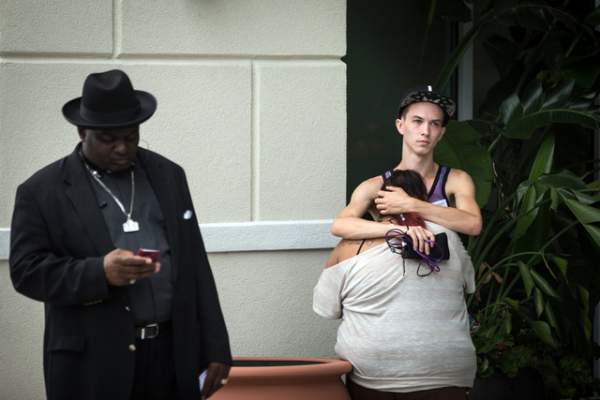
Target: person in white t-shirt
column 405, row 325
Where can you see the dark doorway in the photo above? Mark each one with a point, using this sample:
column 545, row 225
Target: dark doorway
column 390, row 50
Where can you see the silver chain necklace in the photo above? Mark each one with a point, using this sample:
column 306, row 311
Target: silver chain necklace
column 130, row 225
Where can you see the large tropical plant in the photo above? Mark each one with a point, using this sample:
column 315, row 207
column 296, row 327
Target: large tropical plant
column 536, row 258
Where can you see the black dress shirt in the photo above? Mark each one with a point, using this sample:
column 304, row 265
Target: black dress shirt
column 150, row 297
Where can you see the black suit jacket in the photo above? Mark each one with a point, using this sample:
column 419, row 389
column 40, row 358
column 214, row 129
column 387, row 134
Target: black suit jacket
column 58, row 241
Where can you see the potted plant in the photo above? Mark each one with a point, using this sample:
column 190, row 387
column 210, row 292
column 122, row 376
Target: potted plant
column 290, row 378
column 535, row 260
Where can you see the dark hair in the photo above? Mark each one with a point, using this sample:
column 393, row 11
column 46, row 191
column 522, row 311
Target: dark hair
column 409, row 180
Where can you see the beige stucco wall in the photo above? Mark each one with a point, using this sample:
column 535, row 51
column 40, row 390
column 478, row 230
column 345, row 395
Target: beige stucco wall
column 251, row 102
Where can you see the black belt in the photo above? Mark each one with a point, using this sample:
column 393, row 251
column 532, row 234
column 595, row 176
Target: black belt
column 150, row 331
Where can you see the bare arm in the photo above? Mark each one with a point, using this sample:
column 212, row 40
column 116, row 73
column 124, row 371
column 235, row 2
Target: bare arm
column 349, row 223
column 464, row 218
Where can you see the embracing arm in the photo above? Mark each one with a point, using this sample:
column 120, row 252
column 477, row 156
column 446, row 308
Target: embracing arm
column 349, row 223
column 464, row 218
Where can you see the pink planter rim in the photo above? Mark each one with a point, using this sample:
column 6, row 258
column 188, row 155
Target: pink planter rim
column 307, row 367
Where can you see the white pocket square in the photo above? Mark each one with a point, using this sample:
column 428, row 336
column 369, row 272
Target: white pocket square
column 188, row 214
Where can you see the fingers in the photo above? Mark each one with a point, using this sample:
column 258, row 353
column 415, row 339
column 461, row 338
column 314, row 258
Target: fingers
column 216, row 376
column 428, row 239
column 135, row 273
column 430, row 236
column 394, row 189
column 393, row 201
column 414, row 238
column 132, row 260
column 383, row 209
column 381, row 203
column 421, row 239
column 122, row 267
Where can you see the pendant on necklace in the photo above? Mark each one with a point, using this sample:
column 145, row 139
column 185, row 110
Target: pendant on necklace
column 131, row 226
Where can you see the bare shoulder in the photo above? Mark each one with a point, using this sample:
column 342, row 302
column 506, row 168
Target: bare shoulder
column 361, row 199
column 373, row 183
column 459, row 181
column 459, row 174
column 345, row 249
column 348, row 248
column 368, row 188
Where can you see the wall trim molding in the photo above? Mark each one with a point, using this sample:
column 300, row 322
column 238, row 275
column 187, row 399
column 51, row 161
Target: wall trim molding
column 226, row 237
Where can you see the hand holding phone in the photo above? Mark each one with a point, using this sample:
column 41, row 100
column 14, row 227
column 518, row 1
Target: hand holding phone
column 153, row 254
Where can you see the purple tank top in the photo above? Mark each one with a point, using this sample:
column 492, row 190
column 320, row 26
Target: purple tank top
column 437, row 193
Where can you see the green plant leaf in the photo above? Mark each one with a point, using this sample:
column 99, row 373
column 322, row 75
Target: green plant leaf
column 543, row 284
column 527, row 212
column 594, row 232
column 586, row 198
column 554, row 199
column 558, row 97
column 512, row 303
column 542, row 331
column 511, row 109
column 522, row 190
column 460, row 148
column 456, row 55
column 533, row 97
column 538, row 301
column 543, row 159
column 561, row 263
column 548, row 268
column 587, row 326
column 550, row 316
column 562, row 179
column 594, row 185
column 507, row 325
column 485, row 366
column 526, row 277
column 522, row 128
column 584, row 214
column 584, row 294
column 584, row 73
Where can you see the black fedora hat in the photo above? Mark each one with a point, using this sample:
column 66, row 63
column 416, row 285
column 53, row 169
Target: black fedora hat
column 109, row 101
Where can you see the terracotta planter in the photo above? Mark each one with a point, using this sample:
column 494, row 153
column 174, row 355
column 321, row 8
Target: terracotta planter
column 266, row 378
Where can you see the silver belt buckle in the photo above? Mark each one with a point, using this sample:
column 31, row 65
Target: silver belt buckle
column 149, row 331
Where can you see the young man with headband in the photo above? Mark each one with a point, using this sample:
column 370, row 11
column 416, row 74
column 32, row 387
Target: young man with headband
column 422, row 118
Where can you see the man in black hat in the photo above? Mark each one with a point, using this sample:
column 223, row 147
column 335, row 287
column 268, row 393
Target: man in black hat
column 422, row 118
column 108, row 239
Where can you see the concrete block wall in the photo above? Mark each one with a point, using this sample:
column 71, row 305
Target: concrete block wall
column 251, row 102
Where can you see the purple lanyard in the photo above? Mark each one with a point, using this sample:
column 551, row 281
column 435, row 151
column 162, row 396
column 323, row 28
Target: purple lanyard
column 398, row 241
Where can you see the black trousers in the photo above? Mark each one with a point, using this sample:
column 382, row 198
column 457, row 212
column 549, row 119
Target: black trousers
column 154, row 377
column 358, row 392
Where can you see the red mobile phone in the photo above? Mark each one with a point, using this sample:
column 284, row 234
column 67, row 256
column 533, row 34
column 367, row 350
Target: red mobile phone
column 153, row 254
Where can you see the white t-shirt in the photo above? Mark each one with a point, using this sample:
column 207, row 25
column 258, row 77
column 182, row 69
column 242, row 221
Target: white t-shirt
column 401, row 332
